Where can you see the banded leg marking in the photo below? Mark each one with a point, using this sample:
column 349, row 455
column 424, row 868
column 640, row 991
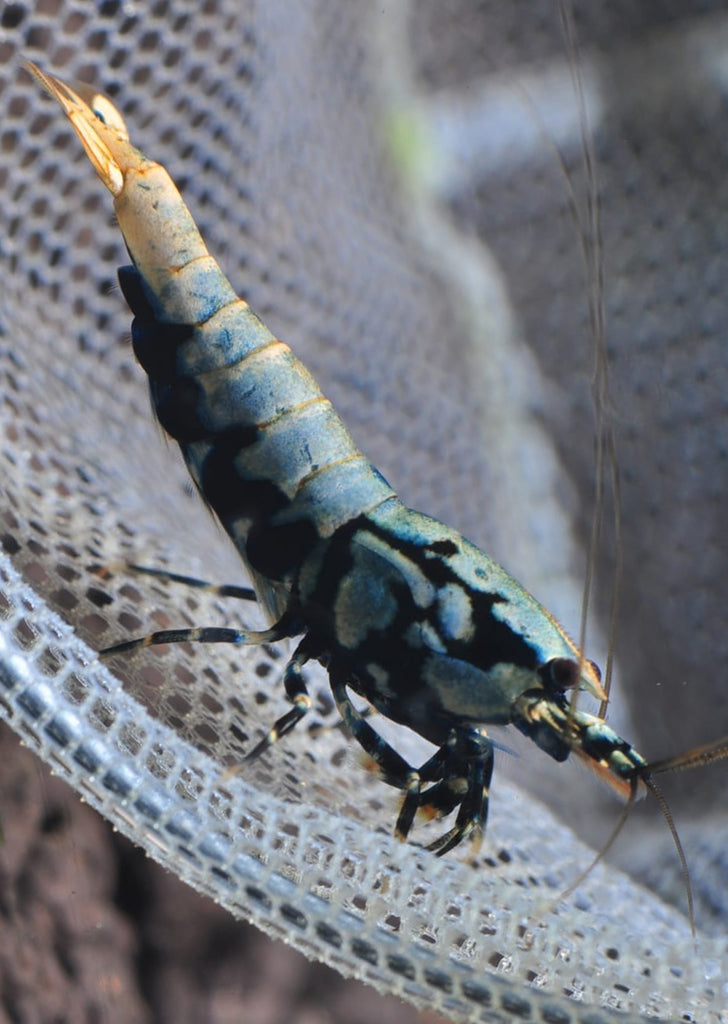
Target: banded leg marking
column 471, row 763
column 395, row 771
column 460, row 770
column 297, row 694
column 204, row 635
column 415, row 798
column 219, row 589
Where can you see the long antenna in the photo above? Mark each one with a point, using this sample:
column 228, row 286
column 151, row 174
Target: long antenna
column 606, row 847
column 696, row 757
column 606, row 468
column 667, row 815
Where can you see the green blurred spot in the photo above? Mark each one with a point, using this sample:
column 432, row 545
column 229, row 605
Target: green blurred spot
column 410, row 144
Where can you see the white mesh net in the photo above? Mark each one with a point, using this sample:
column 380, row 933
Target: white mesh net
column 316, row 143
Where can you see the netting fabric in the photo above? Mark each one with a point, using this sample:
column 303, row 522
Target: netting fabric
column 341, row 161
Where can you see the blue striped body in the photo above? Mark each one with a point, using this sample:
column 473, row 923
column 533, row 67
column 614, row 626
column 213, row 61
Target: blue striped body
column 398, row 607
column 266, row 449
column 421, row 622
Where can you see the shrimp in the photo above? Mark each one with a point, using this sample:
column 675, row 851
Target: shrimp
column 399, row 608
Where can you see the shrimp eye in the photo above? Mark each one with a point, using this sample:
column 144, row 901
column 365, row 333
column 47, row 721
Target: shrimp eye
column 560, row 674
column 107, row 113
column 595, row 668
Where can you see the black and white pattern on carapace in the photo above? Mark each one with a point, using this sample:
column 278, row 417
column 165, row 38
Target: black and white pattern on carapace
column 399, row 608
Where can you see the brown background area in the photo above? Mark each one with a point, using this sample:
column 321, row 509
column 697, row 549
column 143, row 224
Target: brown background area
column 93, row 931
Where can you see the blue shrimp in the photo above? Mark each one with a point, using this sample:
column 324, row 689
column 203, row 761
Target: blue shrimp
column 399, row 608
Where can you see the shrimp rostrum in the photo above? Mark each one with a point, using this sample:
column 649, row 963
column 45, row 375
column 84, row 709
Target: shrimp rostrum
column 399, row 608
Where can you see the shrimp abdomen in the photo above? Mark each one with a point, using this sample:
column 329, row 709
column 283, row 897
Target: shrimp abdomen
column 265, row 447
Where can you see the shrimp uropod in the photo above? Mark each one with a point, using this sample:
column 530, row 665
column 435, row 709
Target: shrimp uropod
column 399, row 608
